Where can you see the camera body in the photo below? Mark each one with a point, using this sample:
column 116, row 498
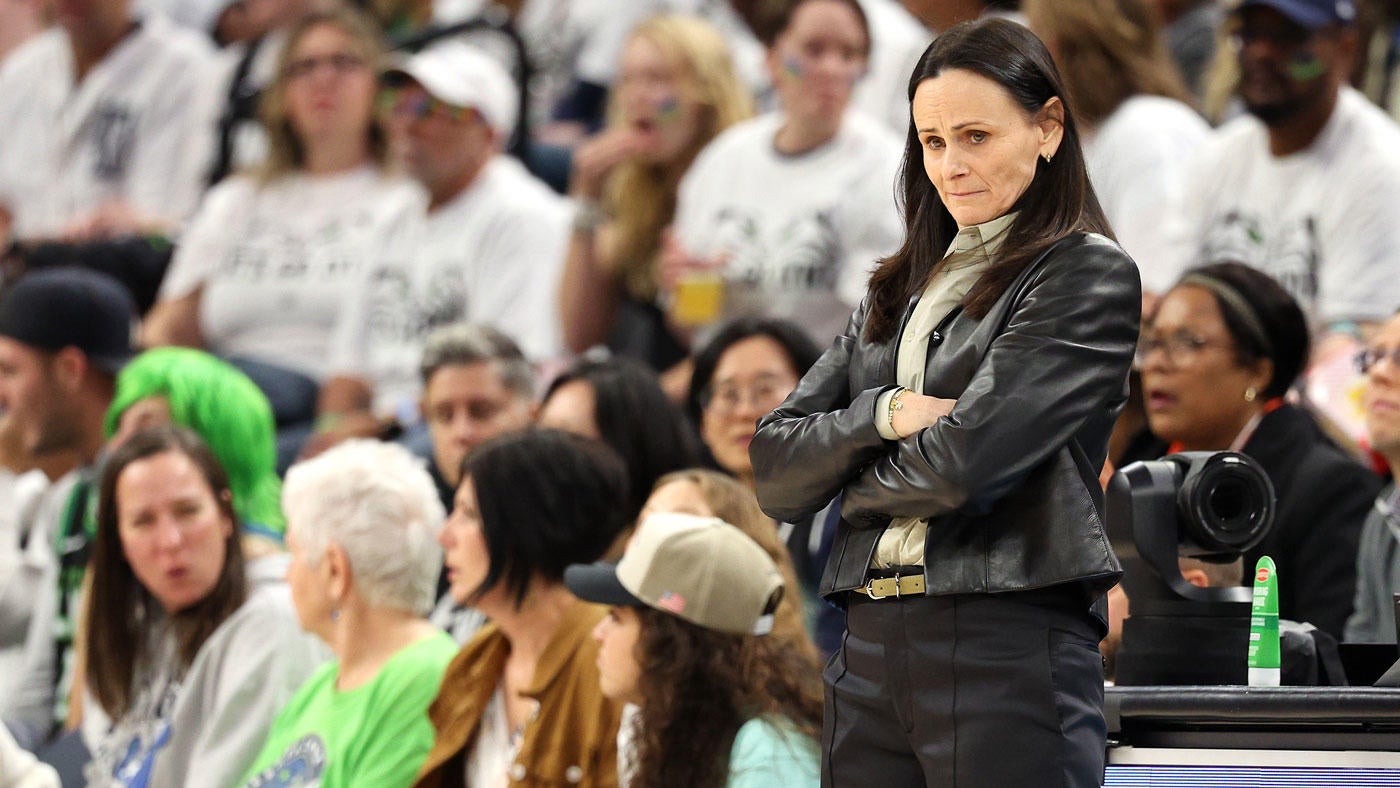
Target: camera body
column 1212, row 506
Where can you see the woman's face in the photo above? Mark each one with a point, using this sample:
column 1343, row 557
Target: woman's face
column 330, row 86
column 571, row 408
column 980, row 147
column 619, row 673
column 680, row 497
column 173, row 531
column 143, row 414
column 753, row 377
column 654, row 103
column 464, row 544
column 1192, row 381
column 814, row 64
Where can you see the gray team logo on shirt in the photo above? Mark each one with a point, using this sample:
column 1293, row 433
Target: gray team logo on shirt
column 802, row 256
column 300, row 766
column 113, row 134
column 1286, row 249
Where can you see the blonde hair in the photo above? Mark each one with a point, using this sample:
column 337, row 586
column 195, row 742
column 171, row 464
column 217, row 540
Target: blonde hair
column 734, row 503
column 641, row 197
column 285, row 152
column 1107, row 51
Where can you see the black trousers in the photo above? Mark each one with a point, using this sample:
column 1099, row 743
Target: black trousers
column 968, row 690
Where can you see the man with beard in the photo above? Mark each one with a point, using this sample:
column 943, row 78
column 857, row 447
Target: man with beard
column 64, row 335
column 1307, row 186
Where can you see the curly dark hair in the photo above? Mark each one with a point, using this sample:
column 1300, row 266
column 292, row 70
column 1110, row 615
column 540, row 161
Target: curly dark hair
column 699, row 686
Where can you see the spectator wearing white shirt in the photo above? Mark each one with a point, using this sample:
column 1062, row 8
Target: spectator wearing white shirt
column 488, row 251
column 676, row 92
column 106, row 127
column 1306, row 186
column 1136, row 123
column 794, row 208
column 265, row 271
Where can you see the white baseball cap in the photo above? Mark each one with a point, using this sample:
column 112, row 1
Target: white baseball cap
column 456, row 73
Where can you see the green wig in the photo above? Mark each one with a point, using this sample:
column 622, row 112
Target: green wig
column 228, row 410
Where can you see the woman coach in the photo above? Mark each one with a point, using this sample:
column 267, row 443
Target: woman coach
column 964, row 415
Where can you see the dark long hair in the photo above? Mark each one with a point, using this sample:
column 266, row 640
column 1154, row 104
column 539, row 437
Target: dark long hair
column 699, row 686
column 120, row 610
column 1059, row 201
column 637, row 420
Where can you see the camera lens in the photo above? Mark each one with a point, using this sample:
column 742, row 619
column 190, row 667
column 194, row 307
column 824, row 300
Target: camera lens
column 1227, row 503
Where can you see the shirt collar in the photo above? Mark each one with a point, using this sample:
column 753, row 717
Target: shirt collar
column 986, row 237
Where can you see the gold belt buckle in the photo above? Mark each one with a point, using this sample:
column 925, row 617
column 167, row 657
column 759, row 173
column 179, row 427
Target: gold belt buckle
column 885, row 582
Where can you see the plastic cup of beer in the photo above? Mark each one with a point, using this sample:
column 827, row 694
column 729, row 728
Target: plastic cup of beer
column 699, row 299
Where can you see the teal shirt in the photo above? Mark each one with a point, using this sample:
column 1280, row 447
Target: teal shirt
column 375, row 734
column 765, row 755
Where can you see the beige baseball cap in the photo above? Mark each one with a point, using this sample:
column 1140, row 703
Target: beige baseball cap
column 700, row 569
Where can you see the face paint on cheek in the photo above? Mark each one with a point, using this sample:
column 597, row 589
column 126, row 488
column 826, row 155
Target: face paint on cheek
column 1306, row 67
column 668, row 110
column 793, row 67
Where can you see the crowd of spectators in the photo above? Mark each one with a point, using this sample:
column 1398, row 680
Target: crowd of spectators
column 333, row 333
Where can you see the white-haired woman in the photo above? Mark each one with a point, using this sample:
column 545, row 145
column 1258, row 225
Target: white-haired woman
column 362, row 523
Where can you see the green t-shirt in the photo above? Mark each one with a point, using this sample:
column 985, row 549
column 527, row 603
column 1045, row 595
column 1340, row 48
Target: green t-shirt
column 376, row 734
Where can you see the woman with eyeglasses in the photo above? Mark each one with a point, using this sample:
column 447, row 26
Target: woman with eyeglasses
column 261, row 273
column 742, row 373
column 1226, row 344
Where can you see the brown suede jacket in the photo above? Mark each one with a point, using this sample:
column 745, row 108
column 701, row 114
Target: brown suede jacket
column 572, row 739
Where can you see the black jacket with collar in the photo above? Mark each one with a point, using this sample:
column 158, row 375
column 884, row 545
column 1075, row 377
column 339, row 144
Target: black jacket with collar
column 1009, row 479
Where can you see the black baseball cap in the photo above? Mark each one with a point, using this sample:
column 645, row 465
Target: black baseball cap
column 54, row 308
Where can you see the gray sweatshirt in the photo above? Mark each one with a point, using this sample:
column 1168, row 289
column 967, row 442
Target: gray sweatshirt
column 205, row 727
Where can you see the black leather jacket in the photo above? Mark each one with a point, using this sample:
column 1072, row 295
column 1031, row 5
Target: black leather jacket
column 1009, row 479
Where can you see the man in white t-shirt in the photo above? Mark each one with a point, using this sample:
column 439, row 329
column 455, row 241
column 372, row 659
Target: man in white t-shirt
column 1307, row 186
column 488, row 252
column 106, row 125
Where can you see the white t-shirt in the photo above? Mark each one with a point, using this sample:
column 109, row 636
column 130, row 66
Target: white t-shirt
column 492, row 255
column 800, row 233
column 278, row 261
column 138, row 128
column 1135, row 163
column 1324, row 221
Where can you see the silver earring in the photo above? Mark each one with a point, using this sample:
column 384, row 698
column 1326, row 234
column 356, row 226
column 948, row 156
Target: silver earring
column 1047, row 157
column 1250, row 393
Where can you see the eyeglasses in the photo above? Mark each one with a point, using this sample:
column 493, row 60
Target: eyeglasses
column 1367, row 358
column 416, row 104
column 764, row 393
column 1180, row 348
column 339, row 63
